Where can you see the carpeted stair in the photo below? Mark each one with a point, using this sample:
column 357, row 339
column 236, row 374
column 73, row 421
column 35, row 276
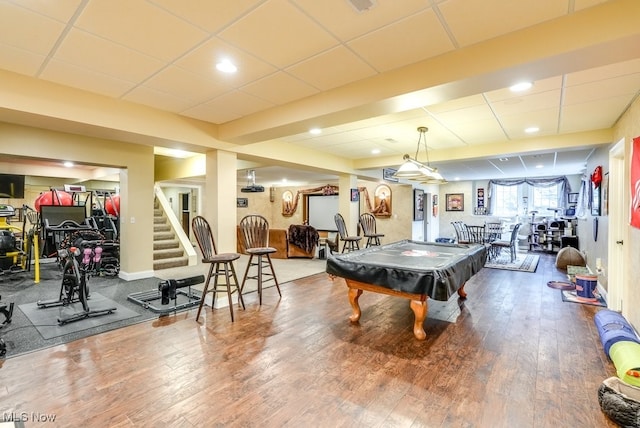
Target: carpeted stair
column 167, row 252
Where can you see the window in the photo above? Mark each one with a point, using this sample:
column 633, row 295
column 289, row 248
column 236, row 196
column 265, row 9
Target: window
column 544, row 197
column 509, row 201
column 505, row 200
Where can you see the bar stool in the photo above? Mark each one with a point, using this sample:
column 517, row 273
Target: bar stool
column 255, row 234
column 220, row 264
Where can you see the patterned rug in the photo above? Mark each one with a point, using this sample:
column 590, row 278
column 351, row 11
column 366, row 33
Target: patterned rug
column 571, row 296
column 522, row 263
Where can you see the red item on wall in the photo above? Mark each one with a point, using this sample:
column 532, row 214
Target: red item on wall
column 596, row 177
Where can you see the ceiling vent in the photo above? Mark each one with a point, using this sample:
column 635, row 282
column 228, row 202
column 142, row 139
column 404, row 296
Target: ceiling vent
column 362, row 5
column 252, row 187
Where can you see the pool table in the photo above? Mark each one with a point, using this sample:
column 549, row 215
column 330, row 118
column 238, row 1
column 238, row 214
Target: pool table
column 414, row 270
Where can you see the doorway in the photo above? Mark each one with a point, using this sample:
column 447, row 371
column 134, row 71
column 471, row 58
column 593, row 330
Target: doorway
column 617, row 222
column 185, row 211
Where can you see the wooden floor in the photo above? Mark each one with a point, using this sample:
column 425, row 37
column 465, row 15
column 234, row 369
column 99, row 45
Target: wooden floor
column 511, row 355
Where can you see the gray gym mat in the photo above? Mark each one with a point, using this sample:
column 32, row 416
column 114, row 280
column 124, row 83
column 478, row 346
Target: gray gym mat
column 45, row 320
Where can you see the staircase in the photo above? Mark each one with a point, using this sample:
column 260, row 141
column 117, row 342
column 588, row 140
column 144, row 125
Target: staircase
column 167, row 252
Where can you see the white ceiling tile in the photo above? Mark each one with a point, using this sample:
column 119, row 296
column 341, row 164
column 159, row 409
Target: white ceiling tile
column 183, row 84
column 342, row 20
column 546, row 120
column 280, row 24
column 333, row 68
column 210, row 15
column 539, row 86
column 203, row 59
column 602, row 89
column 597, row 114
column 472, row 21
column 27, row 30
column 527, row 103
column 157, row 99
column 162, row 36
column 214, row 112
column 396, row 45
column 82, row 78
column 279, row 88
column 61, row 10
column 604, row 72
column 20, row 60
column 100, row 55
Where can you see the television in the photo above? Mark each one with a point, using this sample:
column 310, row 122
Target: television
column 11, row 186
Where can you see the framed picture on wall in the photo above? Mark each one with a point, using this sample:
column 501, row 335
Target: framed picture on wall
column 595, row 200
column 455, row 202
column 418, row 204
column 387, row 174
column 355, row 195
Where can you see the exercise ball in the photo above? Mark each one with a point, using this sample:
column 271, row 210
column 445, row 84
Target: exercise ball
column 112, row 205
column 53, row 197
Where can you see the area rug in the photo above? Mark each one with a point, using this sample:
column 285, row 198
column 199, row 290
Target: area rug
column 571, row 296
column 522, row 263
column 45, row 320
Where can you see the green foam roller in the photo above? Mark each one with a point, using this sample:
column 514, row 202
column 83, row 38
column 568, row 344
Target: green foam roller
column 626, row 357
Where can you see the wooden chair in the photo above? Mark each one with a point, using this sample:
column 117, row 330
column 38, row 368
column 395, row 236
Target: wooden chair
column 351, row 243
column 255, row 235
column 220, row 264
column 498, row 245
column 368, row 224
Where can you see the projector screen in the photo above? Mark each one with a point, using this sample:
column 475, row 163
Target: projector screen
column 321, row 211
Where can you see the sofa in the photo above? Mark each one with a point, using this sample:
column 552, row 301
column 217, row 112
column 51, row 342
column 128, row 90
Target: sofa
column 305, row 240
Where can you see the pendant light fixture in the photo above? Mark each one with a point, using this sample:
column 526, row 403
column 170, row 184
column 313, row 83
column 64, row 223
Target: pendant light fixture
column 412, row 169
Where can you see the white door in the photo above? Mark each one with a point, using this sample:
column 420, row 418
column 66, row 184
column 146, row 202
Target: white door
column 617, row 221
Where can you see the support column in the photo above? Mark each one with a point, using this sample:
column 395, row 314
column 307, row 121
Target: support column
column 348, row 209
column 220, row 198
column 136, row 216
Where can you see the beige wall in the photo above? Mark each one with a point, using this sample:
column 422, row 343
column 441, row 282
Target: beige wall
column 395, row 228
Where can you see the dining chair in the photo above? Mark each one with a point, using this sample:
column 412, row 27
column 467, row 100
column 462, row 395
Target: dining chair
column 351, row 243
column 219, row 264
column 368, row 224
column 462, row 233
column 255, row 234
column 498, row 245
column 476, row 234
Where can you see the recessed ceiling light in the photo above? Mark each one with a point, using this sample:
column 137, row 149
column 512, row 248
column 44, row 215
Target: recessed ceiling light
column 522, row 86
column 539, row 166
column 68, row 164
column 226, row 66
column 504, row 159
column 531, row 129
column 315, row 131
column 375, row 151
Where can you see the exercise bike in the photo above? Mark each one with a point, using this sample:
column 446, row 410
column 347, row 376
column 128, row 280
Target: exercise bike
column 78, row 262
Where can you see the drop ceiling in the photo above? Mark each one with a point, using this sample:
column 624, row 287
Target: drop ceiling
column 367, row 77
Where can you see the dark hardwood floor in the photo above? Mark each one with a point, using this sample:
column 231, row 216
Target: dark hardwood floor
column 511, row 355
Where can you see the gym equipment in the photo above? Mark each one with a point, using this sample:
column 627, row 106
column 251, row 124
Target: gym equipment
column 8, row 313
column 169, row 290
column 12, row 256
column 78, row 263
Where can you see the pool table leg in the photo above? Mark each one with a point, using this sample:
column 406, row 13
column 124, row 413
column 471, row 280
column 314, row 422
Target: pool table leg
column 354, row 295
column 461, row 292
column 420, row 309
